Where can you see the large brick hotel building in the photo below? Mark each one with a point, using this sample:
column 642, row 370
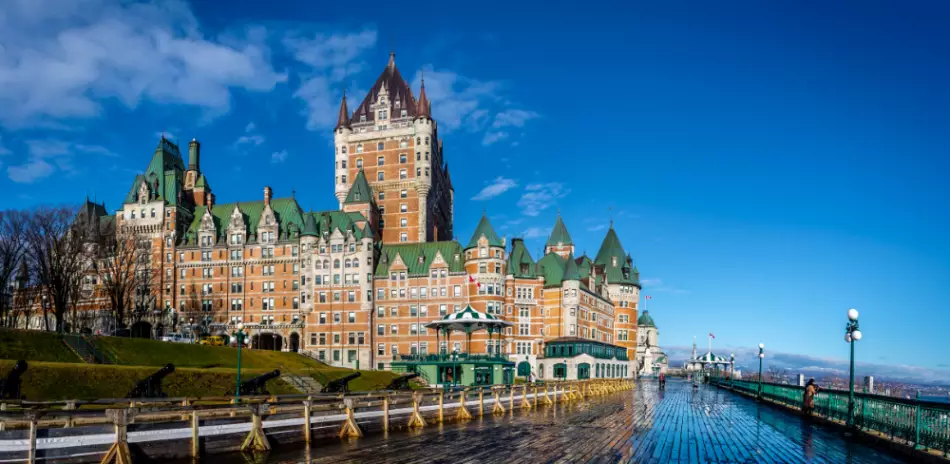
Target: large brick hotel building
column 354, row 286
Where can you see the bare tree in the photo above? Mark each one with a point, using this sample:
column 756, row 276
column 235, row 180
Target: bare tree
column 57, row 253
column 12, row 247
column 119, row 271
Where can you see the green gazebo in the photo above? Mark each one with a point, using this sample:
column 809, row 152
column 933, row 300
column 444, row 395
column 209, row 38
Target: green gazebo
column 462, row 368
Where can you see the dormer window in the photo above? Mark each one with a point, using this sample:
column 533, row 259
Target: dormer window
column 362, row 118
column 267, row 220
column 613, row 261
column 398, row 104
column 383, row 115
column 356, row 196
column 404, row 113
column 359, row 163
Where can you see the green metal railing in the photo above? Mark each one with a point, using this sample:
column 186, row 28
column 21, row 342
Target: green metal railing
column 459, row 357
column 922, row 424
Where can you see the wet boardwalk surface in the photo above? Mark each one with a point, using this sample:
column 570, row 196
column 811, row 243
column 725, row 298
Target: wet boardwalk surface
column 680, row 425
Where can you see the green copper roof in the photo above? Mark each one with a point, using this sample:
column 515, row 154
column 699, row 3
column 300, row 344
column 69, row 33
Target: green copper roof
column 484, row 228
column 645, row 320
column 164, row 174
column 570, row 269
column 202, row 183
column 327, row 222
column 520, row 263
column 584, row 266
column 559, row 235
column 552, row 268
column 286, row 211
column 410, row 253
column 360, row 192
column 310, row 226
column 614, row 260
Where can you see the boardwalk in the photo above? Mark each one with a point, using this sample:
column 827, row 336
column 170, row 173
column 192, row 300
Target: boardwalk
column 679, row 425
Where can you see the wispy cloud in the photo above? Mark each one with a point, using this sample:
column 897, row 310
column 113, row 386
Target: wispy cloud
column 473, row 105
column 278, row 156
column 250, row 138
column 535, row 232
column 657, row 285
column 121, row 51
column 329, row 59
column 496, row 187
column 539, row 197
column 597, row 227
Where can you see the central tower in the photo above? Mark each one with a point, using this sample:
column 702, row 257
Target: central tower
column 393, row 139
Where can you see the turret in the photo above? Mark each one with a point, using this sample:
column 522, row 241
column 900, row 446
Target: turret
column 341, row 136
column 560, row 240
column 194, row 155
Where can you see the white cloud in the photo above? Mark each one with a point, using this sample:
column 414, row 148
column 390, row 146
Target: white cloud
column 472, row 105
column 657, row 285
column 250, row 138
column 278, row 156
column 62, row 59
column 535, row 232
column 47, row 156
column 496, row 187
column 330, row 59
column 596, row 228
column 3, row 149
column 250, row 127
column 539, row 197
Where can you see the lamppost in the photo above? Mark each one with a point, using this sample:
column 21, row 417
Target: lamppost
column 732, row 367
column 851, row 335
column 564, row 373
column 455, row 367
column 240, row 341
column 761, row 357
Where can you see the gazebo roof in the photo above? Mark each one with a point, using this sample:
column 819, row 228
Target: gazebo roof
column 711, row 357
column 468, row 319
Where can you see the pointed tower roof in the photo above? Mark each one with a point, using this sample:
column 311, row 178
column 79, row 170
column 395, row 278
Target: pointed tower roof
column 359, row 191
column 423, row 108
column 309, row 226
column 202, row 183
column 520, row 263
column 570, row 269
column 398, row 91
column 343, row 120
column 484, row 228
column 559, row 235
column 610, row 248
column 645, row 320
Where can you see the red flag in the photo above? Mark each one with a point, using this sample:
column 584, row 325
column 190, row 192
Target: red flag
column 472, row 280
column 649, row 297
column 711, row 335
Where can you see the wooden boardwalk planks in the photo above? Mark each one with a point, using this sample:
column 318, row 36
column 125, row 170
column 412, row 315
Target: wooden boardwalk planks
column 679, row 425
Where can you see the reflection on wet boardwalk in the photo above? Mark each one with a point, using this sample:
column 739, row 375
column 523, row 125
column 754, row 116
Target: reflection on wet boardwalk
column 678, row 425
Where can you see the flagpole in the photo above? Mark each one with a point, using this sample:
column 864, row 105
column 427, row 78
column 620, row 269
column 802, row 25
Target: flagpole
column 710, row 344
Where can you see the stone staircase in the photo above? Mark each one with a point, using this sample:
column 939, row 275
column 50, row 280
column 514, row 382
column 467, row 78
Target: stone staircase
column 86, row 350
column 306, row 384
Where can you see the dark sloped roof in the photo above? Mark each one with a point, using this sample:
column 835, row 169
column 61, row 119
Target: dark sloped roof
column 570, row 269
column 552, row 268
column 287, row 212
column 396, row 86
column 343, row 119
column 614, row 260
column 519, row 256
column 484, row 228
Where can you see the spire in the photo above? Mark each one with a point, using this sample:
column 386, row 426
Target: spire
column 559, row 235
column 360, row 192
column 484, row 228
column 570, row 269
column 343, row 120
column 423, row 108
column 392, row 59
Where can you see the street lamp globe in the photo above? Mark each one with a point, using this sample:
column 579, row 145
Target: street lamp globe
column 853, row 314
column 761, row 346
column 847, row 337
column 856, row 335
column 762, row 355
column 240, row 326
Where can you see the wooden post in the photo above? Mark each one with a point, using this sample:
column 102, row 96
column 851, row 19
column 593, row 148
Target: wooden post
column 481, row 402
column 547, row 399
column 415, row 419
column 350, row 429
column 498, row 407
column 32, row 456
column 3, row 407
column 307, row 406
column 185, row 403
column 525, row 402
column 234, row 401
column 256, row 440
column 70, row 406
column 195, row 439
column 535, row 397
column 462, row 413
column 119, row 451
column 386, row 412
column 441, row 406
column 511, row 397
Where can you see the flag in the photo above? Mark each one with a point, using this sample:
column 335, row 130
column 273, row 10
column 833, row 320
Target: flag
column 473, row 281
column 711, row 335
column 649, row 297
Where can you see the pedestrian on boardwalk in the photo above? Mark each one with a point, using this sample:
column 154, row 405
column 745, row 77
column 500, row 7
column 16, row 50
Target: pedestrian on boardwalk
column 662, row 381
column 808, row 400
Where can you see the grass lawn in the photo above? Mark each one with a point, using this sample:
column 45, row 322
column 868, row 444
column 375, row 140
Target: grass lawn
column 62, row 381
column 34, row 346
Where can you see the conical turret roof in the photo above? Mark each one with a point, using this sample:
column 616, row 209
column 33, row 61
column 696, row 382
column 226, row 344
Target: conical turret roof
column 423, row 108
column 570, row 269
column 360, row 192
column 343, row 119
column 559, row 235
column 484, row 228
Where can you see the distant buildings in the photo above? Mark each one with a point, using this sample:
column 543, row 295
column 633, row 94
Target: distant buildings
column 651, row 360
column 869, row 384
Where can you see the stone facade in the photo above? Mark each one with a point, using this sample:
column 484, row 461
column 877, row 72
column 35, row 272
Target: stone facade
column 354, row 286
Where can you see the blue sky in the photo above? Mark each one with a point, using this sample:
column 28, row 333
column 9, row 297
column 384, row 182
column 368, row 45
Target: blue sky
column 768, row 166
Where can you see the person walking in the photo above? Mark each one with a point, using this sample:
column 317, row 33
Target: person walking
column 808, row 399
column 662, row 381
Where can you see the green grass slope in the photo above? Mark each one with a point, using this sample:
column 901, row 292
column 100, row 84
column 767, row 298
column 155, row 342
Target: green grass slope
column 141, row 352
column 70, row 381
column 34, row 346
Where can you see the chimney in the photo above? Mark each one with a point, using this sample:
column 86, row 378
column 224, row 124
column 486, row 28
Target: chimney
column 209, row 200
column 268, row 194
column 194, row 153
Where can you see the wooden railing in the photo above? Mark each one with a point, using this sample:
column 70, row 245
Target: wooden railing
column 919, row 424
column 105, row 428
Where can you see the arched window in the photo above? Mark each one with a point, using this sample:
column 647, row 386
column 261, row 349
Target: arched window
column 346, row 263
column 336, row 264
column 319, row 264
column 427, row 140
column 326, row 264
column 418, row 140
